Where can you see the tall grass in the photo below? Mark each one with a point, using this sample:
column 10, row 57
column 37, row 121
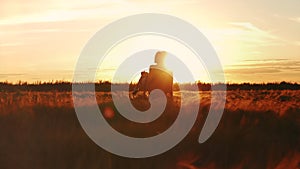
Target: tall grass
column 259, row 129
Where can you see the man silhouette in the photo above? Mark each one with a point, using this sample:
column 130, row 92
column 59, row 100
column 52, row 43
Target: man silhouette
column 159, row 77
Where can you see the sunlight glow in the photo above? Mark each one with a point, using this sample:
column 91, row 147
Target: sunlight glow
column 132, row 45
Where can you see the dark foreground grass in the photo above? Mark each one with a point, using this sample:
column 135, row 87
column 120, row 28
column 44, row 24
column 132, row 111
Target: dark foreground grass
column 43, row 137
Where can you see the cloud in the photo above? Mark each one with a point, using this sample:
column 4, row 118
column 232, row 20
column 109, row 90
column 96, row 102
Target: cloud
column 62, row 11
column 252, row 71
column 274, row 70
column 251, row 34
column 264, row 66
column 9, row 75
column 12, row 74
column 297, row 43
column 297, row 19
column 10, row 44
column 43, row 30
column 47, row 16
column 244, row 34
column 270, row 60
column 246, row 26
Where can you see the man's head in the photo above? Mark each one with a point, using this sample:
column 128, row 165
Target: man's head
column 160, row 57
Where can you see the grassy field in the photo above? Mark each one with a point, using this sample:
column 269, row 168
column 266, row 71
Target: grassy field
column 259, row 129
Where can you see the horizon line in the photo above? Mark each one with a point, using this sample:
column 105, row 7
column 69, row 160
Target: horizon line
column 20, row 82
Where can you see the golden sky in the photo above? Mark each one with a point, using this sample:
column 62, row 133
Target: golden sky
column 256, row 41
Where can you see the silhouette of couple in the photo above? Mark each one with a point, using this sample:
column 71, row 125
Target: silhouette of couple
column 157, row 78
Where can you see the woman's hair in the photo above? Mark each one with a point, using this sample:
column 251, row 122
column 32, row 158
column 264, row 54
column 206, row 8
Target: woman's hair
column 144, row 73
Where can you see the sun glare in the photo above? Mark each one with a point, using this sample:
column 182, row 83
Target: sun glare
column 175, row 50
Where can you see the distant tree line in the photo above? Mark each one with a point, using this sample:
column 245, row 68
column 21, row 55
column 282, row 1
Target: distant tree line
column 105, row 86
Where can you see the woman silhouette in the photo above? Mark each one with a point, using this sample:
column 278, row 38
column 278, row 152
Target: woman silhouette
column 141, row 86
